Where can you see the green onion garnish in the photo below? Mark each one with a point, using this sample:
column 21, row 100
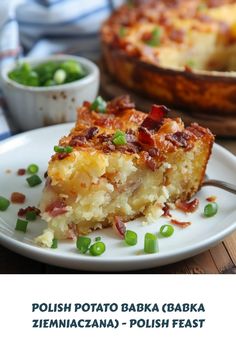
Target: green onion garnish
column 155, row 37
column 61, row 149
column 131, row 238
column 32, row 169
column 59, row 76
column 99, row 105
column 4, row 203
column 119, row 138
column 30, row 215
column 33, row 180
column 166, row 230
column 97, row 249
column 150, row 243
column 54, row 243
column 98, row 238
column 210, row 209
column 83, row 244
column 21, row 225
column 122, row 31
column 191, row 63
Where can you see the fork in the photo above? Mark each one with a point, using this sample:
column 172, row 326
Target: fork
column 229, row 187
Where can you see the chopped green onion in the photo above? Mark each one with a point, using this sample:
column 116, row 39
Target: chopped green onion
column 99, row 105
column 30, row 215
column 21, row 225
column 210, row 209
column 150, row 243
column 97, row 238
column 59, row 76
column 4, row 203
column 33, row 180
column 131, row 238
column 54, row 243
column 119, row 138
column 191, row 63
column 166, row 230
column 83, row 244
column 61, row 149
column 155, row 37
column 122, row 31
column 97, row 249
column 32, row 169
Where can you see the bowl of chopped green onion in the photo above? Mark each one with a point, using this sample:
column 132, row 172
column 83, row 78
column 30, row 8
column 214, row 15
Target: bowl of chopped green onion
column 41, row 92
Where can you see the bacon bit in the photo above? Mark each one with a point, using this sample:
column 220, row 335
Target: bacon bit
column 154, row 152
column 119, row 227
column 87, row 104
column 151, row 124
column 145, row 137
column 187, row 207
column 212, row 198
column 182, row 224
column 22, row 212
column 146, row 36
column 177, row 35
column 158, row 112
column 120, row 103
column 56, row 208
column 78, row 140
column 62, row 155
column 179, row 139
column 91, row 132
column 151, row 163
column 17, row 198
column 21, row 172
column 166, row 210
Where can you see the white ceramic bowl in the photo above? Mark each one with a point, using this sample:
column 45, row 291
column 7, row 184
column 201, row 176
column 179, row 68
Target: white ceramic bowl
column 34, row 107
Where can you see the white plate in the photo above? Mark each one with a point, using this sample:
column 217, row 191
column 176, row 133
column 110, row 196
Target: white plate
column 36, row 147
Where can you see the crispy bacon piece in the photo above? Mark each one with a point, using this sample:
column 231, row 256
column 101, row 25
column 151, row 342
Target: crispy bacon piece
column 91, row 132
column 177, row 35
column 120, row 103
column 22, row 212
column 181, row 224
column 145, row 137
column 56, row 208
column 166, row 210
column 17, row 198
column 119, row 227
column 149, row 161
column 78, row 140
column 158, row 112
column 21, row 172
column 187, row 207
column 179, row 139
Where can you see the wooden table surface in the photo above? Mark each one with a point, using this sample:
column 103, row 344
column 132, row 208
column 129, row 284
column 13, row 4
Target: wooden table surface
column 219, row 259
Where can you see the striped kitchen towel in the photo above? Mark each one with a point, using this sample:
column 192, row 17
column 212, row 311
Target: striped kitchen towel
column 43, row 27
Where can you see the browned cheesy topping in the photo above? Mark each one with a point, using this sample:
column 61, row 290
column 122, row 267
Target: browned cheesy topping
column 150, row 135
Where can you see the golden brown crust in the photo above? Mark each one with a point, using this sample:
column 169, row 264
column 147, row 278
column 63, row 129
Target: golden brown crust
column 140, row 67
column 151, row 135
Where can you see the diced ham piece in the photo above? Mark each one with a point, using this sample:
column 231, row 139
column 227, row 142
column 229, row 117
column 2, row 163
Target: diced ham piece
column 58, row 207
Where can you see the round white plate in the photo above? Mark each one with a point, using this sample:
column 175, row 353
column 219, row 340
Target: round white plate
column 37, row 146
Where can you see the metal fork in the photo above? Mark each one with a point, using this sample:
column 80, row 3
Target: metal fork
column 229, row 187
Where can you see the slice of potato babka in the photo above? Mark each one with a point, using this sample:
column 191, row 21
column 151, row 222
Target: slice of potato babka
column 118, row 161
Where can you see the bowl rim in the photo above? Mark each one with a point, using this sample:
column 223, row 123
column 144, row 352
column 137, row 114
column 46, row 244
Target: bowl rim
column 92, row 68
